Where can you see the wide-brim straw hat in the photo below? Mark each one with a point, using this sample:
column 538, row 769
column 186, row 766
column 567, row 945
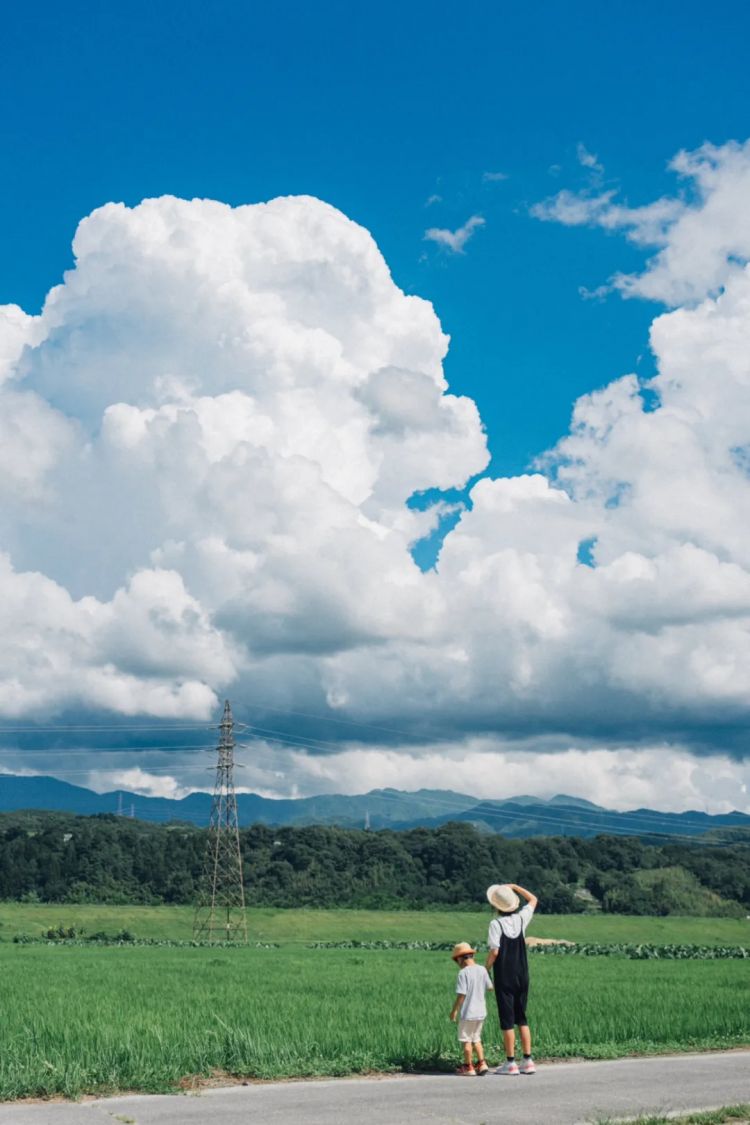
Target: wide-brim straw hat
column 502, row 898
column 463, row 949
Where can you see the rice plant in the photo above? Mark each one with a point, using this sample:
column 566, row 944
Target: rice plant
column 86, row 1018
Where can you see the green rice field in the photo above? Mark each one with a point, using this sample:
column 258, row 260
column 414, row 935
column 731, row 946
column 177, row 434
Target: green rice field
column 299, row 926
column 94, row 1019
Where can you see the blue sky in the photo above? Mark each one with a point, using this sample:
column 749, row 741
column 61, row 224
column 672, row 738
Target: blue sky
column 375, row 110
column 155, row 554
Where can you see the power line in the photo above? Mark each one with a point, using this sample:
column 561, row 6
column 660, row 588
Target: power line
column 347, row 722
column 293, row 741
column 55, row 751
column 33, row 729
column 97, row 771
column 301, row 742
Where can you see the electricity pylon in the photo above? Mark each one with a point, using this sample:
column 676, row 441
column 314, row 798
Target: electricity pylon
column 220, row 908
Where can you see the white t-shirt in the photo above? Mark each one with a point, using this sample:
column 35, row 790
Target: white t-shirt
column 473, row 981
column 509, row 924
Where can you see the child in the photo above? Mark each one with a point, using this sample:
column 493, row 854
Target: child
column 511, row 970
column 470, row 1008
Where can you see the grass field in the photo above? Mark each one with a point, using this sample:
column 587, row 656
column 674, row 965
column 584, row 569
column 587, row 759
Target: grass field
column 86, row 1019
column 367, row 925
column 95, row 1019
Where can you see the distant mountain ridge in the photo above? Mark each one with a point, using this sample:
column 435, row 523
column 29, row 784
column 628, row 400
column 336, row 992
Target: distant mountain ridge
column 522, row 816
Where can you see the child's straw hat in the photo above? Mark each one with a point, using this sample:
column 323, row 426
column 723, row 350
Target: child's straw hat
column 502, row 897
column 463, row 949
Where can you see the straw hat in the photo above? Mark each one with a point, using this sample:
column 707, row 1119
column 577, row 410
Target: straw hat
column 502, row 897
column 463, row 949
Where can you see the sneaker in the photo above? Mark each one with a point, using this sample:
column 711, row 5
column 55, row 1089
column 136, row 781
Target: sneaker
column 508, row 1068
column 482, row 1068
column 527, row 1067
column 466, row 1071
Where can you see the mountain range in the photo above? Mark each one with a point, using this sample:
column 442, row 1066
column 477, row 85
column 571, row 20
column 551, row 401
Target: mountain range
column 381, row 808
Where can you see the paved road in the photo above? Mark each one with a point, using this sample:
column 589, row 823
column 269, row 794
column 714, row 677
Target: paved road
column 561, row 1094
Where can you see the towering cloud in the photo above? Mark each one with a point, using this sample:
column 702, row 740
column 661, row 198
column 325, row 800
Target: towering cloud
column 211, row 433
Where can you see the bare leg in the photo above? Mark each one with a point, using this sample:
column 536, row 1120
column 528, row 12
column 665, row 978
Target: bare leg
column 479, row 1052
column 525, row 1032
column 509, row 1041
column 467, row 1053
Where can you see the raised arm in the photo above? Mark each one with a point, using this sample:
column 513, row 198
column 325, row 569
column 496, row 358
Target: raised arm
column 530, row 898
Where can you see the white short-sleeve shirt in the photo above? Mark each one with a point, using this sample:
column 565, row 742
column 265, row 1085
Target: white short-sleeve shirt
column 512, row 925
column 472, row 983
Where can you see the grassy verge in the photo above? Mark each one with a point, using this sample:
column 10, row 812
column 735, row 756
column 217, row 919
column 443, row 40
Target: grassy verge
column 736, row 1114
column 290, row 926
column 146, row 1018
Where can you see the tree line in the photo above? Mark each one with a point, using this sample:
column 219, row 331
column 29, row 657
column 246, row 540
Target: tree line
column 58, row 857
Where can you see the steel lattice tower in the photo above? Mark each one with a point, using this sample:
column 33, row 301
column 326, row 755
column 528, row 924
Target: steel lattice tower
column 220, row 908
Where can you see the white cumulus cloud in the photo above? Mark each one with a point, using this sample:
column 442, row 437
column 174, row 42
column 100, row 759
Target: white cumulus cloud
column 224, row 413
column 210, row 437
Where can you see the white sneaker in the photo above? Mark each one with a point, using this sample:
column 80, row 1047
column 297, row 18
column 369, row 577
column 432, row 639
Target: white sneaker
column 527, row 1067
column 508, row 1068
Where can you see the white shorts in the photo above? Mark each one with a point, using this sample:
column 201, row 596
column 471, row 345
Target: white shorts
column 470, row 1031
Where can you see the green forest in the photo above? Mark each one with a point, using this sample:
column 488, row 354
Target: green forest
column 61, row 858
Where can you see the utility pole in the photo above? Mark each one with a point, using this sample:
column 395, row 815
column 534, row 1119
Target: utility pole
column 220, row 908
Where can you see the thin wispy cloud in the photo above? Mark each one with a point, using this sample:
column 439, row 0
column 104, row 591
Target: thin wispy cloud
column 432, row 199
column 576, row 209
column 588, row 159
column 494, row 177
column 454, row 240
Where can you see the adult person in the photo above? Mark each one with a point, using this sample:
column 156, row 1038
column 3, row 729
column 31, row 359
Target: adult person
column 507, row 957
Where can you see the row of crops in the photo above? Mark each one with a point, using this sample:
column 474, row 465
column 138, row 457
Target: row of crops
column 640, row 952
column 643, row 951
